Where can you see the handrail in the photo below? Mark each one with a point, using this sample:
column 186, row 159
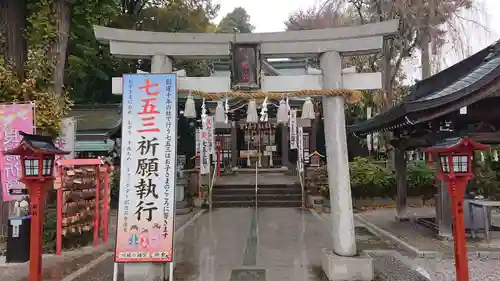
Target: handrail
column 302, row 187
column 210, row 187
column 256, row 183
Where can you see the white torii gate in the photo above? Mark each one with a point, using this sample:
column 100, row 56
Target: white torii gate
column 330, row 45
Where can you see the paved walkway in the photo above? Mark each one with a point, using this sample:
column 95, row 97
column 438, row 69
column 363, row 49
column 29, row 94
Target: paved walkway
column 421, row 237
column 55, row 268
column 272, row 244
column 442, row 267
column 241, row 244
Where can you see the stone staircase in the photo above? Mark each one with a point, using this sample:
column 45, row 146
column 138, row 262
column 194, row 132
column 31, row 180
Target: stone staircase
column 274, row 190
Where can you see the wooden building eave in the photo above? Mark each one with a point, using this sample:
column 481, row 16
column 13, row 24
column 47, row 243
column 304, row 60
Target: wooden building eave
column 480, row 81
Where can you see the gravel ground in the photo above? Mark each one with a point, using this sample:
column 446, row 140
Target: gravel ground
column 388, row 266
column 480, row 269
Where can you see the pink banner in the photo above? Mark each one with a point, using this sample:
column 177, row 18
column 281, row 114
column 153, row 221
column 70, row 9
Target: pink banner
column 145, row 227
column 13, row 118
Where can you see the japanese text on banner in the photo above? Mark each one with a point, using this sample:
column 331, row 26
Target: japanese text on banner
column 293, row 129
column 149, row 142
column 13, row 118
column 204, row 152
column 210, row 128
column 300, row 149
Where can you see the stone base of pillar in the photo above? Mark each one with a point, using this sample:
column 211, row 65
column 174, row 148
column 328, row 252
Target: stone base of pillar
column 144, row 272
column 402, row 218
column 183, row 207
column 338, row 268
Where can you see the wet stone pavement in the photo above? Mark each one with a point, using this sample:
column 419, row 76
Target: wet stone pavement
column 270, row 244
column 56, row 268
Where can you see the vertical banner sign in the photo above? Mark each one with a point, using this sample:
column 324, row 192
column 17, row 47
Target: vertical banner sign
column 204, row 152
column 300, row 149
column 197, row 143
column 293, row 129
column 13, row 118
column 66, row 140
column 209, row 126
column 147, row 174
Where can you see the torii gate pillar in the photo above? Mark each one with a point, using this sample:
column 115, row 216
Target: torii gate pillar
column 344, row 240
column 340, row 263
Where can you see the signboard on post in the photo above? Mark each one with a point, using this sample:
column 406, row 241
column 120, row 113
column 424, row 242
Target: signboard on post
column 293, row 129
column 66, row 140
column 13, row 118
column 147, row 177
column 204, row 152
column 300, row 149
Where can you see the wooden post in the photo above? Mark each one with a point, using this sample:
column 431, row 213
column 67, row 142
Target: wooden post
column 59, row 215
column 402, row 186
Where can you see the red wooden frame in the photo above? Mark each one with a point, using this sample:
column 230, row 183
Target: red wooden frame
column 98, row 164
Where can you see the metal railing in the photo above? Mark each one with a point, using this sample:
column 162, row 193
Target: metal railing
column 211, row 182
column 256, row 183
column 300, row 176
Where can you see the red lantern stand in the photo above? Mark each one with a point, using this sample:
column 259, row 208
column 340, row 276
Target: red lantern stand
column 101, row 169
column 455, row 168
column 37, row 154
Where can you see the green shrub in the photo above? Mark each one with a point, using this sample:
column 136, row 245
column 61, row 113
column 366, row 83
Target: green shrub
column 421, row 179
column 369, row 179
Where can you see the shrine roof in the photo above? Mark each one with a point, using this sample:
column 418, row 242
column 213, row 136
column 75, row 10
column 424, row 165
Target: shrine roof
column 39, row 143
column 98, row 118
column 451, row 145
column 445, row 89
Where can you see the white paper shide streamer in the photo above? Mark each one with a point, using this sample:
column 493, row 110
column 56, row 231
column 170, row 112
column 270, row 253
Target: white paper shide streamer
column 308, row 110
column 203, row 114
column 252, row 116
column 220, row 115
column 282, row 115
column 263, row 111
column 226, row 111
column 189, row 107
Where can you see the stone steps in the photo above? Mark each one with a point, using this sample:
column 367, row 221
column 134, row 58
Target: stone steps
column 250, row 204
column 243, row 195
column 260, row 197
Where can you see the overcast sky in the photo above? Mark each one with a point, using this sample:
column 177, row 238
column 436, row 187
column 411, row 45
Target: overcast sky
column 269, row 15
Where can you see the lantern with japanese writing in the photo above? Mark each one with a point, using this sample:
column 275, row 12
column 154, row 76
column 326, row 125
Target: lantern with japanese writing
column 37, row 155
column 455, row 168
column 245, row 66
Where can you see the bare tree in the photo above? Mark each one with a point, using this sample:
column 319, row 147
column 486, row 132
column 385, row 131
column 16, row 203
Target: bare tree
column 421, row 22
